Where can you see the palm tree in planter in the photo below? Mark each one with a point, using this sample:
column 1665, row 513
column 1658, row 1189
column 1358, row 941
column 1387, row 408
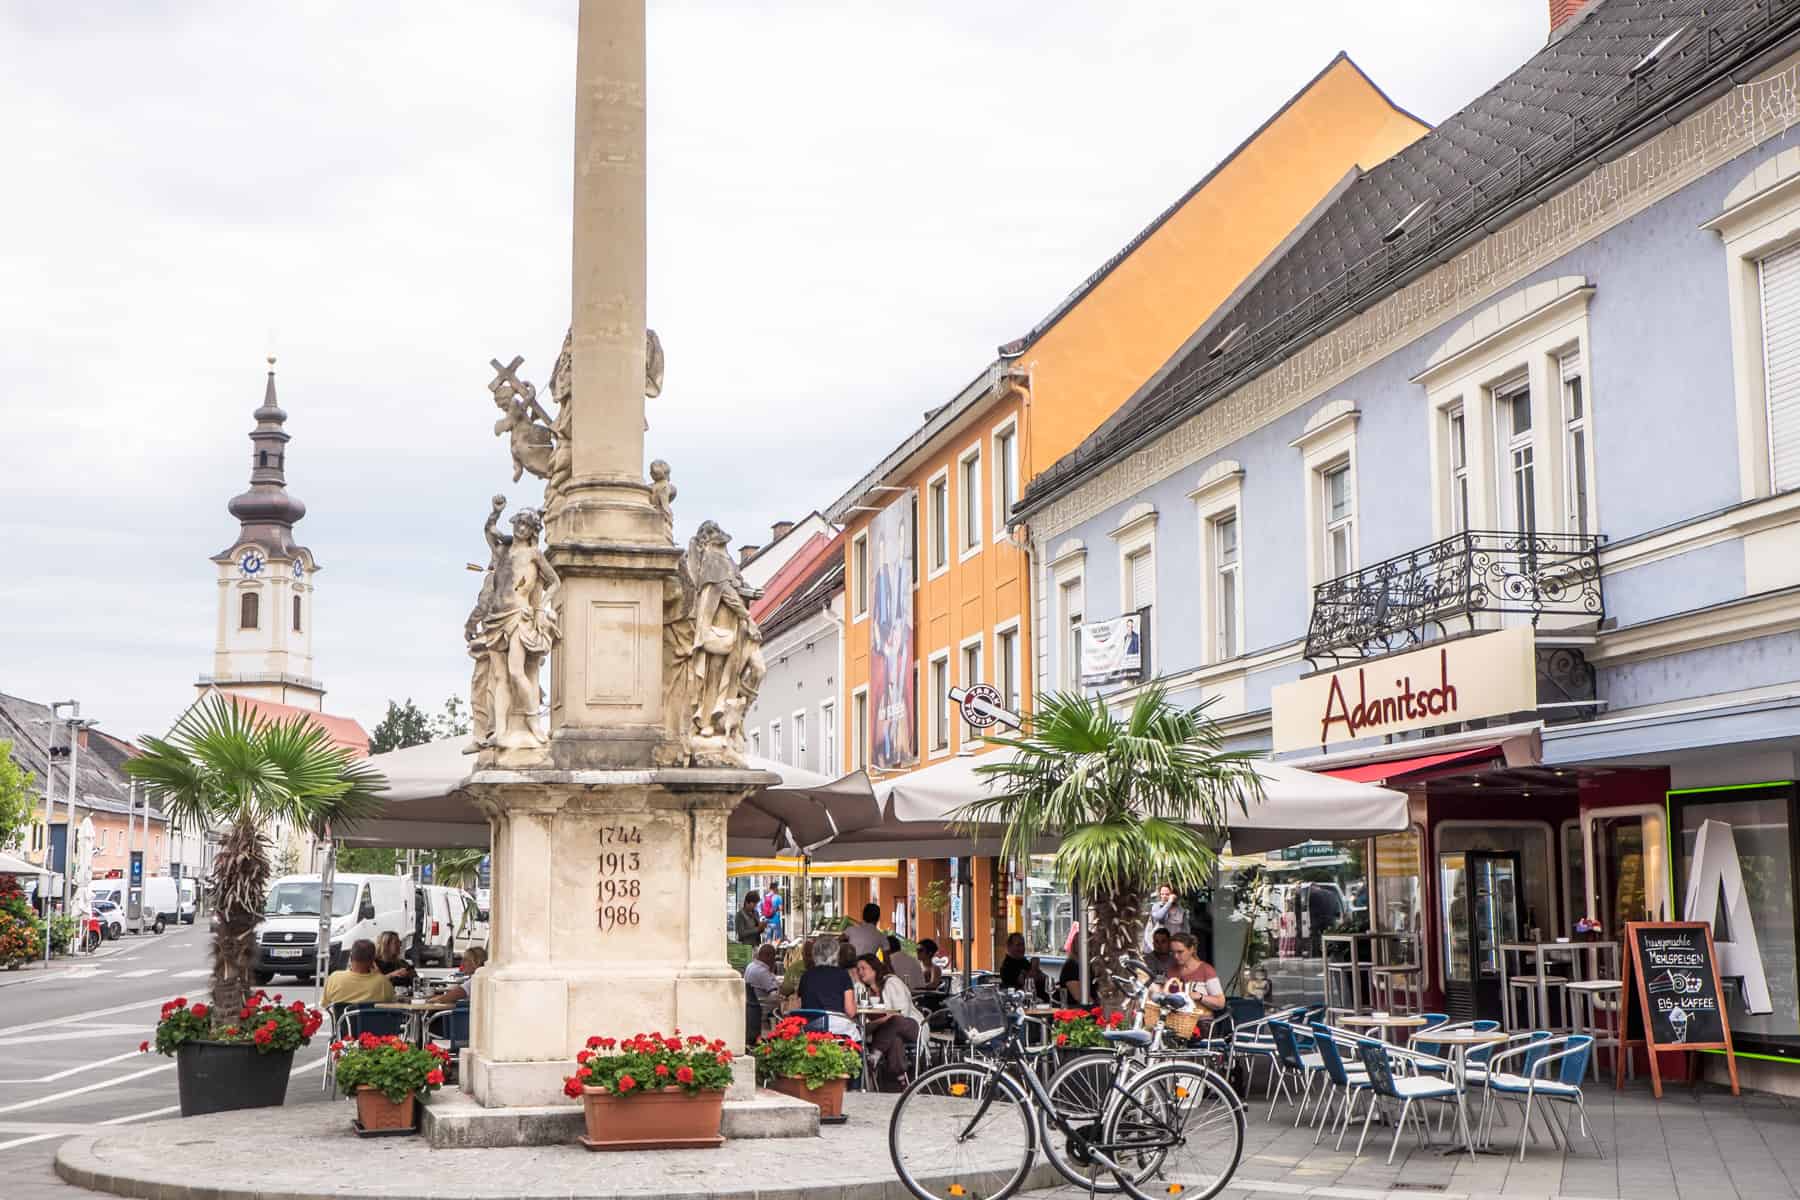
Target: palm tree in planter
column 1135, row 801
column 222, row 767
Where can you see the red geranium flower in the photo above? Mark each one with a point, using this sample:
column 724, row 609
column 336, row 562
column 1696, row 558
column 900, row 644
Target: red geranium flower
column 685, row 1075
column 179, row 1002
column 143, row 1047
column 662, row 1070
column 626, row 1083
column 434, row 1076
column 572, row 1087
column 200, row 1010
column 593, row 1043
column 1062, row 1039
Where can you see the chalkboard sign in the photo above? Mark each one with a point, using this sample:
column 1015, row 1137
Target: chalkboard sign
column 1677, row 981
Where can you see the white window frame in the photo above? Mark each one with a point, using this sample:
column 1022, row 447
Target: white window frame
column 968, row 504
column 756, row 742
column 937, row 704
column 1326, row 475
column 859, row 734
column 1327, row 442
column 777, row 751
column 859, row 577
column 1459, row 494
column 1010, row 462
column 938, row 524
column 1135, row 534
column 1511, row 444
column 970, row 678
column 828, row 739
column 1577, row 461
column 798, row 717
column 1016, row 683
column 1523, row 337
column 1761, row 218
column 1219, row 493
column 1068, row 571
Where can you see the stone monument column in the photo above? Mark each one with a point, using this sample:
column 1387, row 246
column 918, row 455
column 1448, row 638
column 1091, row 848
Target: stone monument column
column 608, row 899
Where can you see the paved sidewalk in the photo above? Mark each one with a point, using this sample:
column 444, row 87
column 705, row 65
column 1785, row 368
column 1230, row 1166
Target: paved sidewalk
column 1703, row 1143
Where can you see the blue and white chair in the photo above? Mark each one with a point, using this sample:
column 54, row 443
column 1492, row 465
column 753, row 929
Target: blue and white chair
column 1294, row 1068
column 1539, row 1083
column 1405, row 1090
column 1346, row 1079
column 1251, row 1041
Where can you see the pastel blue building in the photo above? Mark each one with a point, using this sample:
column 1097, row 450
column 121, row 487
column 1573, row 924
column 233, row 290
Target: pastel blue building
column 1516, row 414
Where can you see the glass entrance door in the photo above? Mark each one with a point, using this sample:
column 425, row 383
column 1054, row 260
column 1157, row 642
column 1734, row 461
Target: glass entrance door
column 1630, row 870
column 1482, row 909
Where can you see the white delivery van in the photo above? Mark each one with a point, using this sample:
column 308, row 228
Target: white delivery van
column 440, row 909
column 160, row 903
column 362, row 906
column 190, row 900
column 471, row 926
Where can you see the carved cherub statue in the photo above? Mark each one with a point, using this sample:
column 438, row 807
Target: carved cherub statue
column 662, row 495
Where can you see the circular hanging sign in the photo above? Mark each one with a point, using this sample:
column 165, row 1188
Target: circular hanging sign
column 981, row 706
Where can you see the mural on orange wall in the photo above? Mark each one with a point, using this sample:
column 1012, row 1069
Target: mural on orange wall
column 894, row 737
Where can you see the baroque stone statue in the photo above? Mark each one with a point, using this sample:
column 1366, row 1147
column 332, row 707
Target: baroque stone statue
column 510, row 633
column 712, row 651
column 530, row 435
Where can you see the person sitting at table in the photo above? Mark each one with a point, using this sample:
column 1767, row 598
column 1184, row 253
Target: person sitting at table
column 846, row 955
column 1161, row 958
column 1194, row 976
column 827, row 987
column 1013, row 966
column 928, row 963
column 910, row 970
column 865, row 935
column 390, row 958
column 760, row 977
column 1034, row 983
column 1068, row 982
column 893, row 1031
column 473, row 959
column 360, row 982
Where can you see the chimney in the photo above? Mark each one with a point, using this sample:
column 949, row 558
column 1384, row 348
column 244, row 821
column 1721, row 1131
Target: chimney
column 780, row 530
column 1561, row 11
column 746, row 553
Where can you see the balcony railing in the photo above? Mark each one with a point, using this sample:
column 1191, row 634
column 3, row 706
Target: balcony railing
column 1419, row 596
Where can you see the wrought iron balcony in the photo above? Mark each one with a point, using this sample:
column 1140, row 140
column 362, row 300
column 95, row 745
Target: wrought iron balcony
column 1417, row 597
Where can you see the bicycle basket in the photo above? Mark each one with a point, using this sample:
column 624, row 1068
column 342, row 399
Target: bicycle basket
column 977, row 1011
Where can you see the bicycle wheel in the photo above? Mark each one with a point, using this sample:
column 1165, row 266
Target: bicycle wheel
column 1178, row 1130
column 1079, row 1092
column 962, row 1131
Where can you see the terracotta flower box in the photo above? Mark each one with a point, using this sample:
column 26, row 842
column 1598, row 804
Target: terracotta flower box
column 829, row 1096
column 376, row 1113
column 664, row 1119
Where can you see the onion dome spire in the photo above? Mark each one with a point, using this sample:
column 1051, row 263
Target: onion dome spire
column 267, row 512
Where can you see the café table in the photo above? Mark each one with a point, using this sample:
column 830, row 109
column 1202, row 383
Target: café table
column 416, row 1012
column 1584, row 963
column 863, row 1013
column 1460, row 1041
column 1385, row 1022
column 1359, row 962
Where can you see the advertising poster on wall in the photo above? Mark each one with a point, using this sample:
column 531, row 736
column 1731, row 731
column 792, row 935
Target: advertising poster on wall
column 893, row 736
column 1112, row 651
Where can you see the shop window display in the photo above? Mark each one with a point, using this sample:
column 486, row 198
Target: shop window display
column 1760, row 821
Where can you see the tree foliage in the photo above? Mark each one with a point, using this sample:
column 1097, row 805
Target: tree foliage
column 16, row 808
column 1132, row 801
column 403, row 726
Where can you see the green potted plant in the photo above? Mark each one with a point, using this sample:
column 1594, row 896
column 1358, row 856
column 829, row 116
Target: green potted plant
column 387, row 1075
column 20, row 930
column 651, row 1091
column 807, row 1065
column 242, row 1061
column 1082, row 1028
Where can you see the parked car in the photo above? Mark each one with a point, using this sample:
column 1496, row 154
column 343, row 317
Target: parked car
column 112, row 919
column 160, row 902
column 362, row 906
column 113, row 892
column 190, row 901
column 440, row 908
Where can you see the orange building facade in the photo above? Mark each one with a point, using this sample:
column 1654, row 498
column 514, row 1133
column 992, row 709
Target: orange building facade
column 956, row 476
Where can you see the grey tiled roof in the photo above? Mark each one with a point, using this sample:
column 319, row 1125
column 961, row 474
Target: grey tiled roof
column 826, row 580
column 1544, row 124
column 102, row 784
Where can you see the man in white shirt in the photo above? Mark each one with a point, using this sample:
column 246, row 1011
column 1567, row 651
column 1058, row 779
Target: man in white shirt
column 864, row 935
column 910, row 970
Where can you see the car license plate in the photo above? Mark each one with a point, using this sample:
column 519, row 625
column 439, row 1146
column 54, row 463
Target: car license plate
column 287, row 952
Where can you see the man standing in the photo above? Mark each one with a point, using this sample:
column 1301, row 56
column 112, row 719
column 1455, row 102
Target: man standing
column 748, row 926
column 865, row 935
column 361, row 983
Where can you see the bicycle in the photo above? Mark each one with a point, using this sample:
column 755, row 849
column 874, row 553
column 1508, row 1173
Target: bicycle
column 1082, row 1085
column 971, row 1130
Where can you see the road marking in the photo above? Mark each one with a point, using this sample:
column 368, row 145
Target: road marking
column 141, row 972
column 196, row 973
column 118, row 1079
column 72, row 1035
column 76, row 1018
column 77, row 1129
column 67, row 1071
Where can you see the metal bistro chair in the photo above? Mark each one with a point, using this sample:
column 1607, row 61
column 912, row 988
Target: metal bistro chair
column 452, row 1026
column 1293, row 1065
column 1405, row 1090
column 1346, row 1079
column 351, row 1021
column 1252, row 1042
column 1562, row 1085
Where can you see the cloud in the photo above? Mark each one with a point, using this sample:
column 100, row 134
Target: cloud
column 851, row 205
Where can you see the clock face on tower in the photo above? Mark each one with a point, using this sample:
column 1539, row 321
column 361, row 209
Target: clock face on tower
column 299, row 571
column 251, row 562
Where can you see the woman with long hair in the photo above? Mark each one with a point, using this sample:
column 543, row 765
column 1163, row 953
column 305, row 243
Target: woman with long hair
column 894, row 1030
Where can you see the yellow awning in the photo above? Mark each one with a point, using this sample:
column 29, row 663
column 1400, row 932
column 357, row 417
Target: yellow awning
column 873, row 868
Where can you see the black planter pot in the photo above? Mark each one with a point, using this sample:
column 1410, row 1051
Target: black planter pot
column 223, row 1076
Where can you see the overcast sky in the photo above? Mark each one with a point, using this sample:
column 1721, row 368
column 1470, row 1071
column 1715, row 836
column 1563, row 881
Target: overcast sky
column 851, row 205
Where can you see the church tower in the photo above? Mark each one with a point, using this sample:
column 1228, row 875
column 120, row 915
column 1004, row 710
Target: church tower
column 266, row 581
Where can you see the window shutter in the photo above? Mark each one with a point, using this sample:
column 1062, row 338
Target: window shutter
column 1781, row 359
column 1143, row 578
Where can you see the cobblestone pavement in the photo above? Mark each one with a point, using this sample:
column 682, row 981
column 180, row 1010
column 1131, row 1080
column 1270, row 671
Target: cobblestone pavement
column 1702, row 1143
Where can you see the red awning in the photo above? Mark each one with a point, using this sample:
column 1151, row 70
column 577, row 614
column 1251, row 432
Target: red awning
column 1395, row 768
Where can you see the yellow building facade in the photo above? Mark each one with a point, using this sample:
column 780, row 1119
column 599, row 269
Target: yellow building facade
column 958, row 473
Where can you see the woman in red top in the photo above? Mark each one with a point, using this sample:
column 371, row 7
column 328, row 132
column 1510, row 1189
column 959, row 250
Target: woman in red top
column 1195, row 976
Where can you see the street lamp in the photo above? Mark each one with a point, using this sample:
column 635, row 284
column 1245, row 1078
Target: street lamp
column 70, row 750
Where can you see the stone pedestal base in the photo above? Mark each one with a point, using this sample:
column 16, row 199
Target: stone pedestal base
column 453, row 1121
column 607, row 919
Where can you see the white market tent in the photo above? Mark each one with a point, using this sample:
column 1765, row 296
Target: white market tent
column 18, row 866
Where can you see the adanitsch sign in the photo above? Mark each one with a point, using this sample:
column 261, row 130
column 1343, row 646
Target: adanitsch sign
column 1462, row 680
